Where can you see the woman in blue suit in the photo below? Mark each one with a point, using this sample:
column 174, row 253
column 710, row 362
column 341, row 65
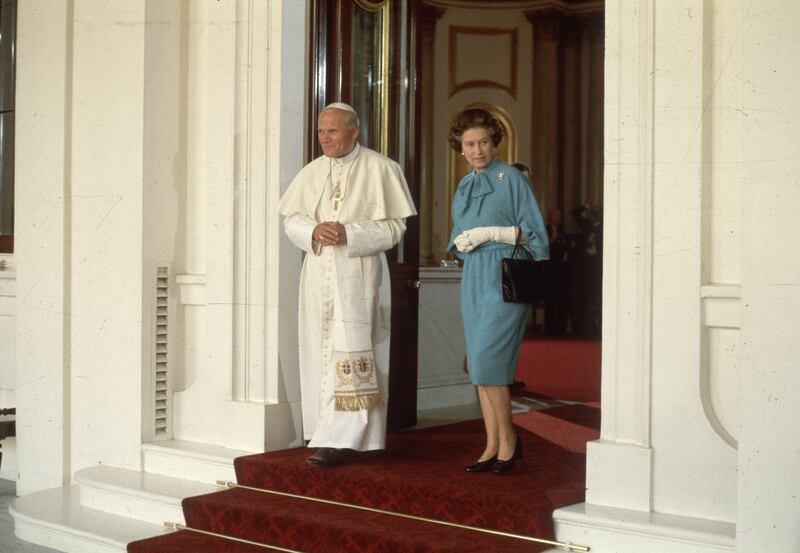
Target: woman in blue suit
column 493, row 207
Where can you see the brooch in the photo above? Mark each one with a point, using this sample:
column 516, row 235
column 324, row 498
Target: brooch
column 500, row 175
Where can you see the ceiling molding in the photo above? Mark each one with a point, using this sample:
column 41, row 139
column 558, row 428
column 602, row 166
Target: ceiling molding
column 568, row 6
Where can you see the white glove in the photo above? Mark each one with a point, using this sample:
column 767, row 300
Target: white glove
column 471, row 239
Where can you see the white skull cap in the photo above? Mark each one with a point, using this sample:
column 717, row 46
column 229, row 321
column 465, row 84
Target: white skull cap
column 352, row 119
column 342, row 106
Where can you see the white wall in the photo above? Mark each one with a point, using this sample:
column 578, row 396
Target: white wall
column 238, row 283
column 105, row 232
column 699, row 442
column 8, row 361
column 162, row 137
column 78, row 232
column 656, row 347
column 164, row 191
column 8, row 286
column 682, row 434
column 41, row 217
column 769, row 447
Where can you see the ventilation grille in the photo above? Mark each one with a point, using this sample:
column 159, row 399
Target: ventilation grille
column 162, row 363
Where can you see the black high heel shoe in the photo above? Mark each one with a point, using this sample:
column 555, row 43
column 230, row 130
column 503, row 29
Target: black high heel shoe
column 503, row 466
column 482, row 466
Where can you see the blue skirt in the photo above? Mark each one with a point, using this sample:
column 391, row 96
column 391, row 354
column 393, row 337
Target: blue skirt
column 493, row 329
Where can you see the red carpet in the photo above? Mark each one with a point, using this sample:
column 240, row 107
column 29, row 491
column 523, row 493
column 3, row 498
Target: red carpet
column 420, row 474
column 559, row 368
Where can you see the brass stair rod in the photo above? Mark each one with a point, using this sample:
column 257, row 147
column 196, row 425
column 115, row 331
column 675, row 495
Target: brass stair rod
column 565, row 546
column 182, row 527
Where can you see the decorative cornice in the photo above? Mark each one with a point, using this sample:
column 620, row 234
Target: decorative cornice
column 371, row 5
column 567, row 6
column 430, row 16
column 546, row 23
column 594, row 23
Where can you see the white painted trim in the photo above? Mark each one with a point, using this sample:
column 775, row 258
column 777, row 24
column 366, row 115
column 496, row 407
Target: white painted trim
column 54, row 518
column 627, row 263
column 191, row 460
column 610, row 529
column 192, row 289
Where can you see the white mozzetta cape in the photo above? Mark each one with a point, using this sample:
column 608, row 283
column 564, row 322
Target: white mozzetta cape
column 376, row 183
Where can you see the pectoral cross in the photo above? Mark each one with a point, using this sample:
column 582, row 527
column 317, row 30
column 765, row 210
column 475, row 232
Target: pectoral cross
column 337, row 196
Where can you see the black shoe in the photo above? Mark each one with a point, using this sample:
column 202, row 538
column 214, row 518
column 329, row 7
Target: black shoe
column 328, row 457
column 482, row 466
column 502, row 466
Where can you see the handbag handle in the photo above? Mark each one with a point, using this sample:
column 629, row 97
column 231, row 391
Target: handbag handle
column 517, row 244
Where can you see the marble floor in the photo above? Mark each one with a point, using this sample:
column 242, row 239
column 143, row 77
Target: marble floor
column 8, row 541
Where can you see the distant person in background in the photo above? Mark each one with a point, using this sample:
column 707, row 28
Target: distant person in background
column 524, row 169
column 558, row 272
column 589, row 270
column 492, row 207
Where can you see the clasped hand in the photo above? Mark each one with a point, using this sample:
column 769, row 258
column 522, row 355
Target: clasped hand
column 471, row 239
column 330, row 233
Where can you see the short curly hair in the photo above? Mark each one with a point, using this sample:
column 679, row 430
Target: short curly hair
column 472, row 119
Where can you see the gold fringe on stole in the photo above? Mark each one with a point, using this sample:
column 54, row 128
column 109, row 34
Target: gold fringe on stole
column 356, row 382
column 357, row 403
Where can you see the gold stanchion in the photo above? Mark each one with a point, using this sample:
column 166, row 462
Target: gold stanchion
column 565, row 546
column 183, row 527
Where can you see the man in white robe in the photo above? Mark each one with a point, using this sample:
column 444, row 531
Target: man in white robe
column 344, row 209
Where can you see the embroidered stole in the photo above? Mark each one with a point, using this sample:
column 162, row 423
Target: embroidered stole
column 356, row 381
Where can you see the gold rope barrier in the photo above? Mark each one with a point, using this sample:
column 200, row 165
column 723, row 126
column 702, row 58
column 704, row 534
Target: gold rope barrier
column 182, row 527
column 565, row 546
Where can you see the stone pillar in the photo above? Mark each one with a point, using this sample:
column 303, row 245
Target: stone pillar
column 240, row 286
column 42, row 215
column 192, row 280
column 619, row 465
column 428, row 16
column 570, row 120
column 106, row 232
column 591, row 107
column 546, row 139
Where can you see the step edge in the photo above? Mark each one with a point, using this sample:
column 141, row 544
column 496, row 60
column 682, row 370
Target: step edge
column 225, row 456
column 661, row 525
column 85, row 478
column 142, row 529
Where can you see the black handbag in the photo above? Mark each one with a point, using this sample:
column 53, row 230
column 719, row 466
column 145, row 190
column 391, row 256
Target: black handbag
column 524, row 280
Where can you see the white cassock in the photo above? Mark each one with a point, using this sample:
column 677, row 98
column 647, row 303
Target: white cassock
column 345, row 296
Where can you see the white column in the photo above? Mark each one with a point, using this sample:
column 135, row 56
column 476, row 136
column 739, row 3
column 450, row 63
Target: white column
column 285, row 140
column 619, row 465
column 206, row 285
column 769, row 444
column 246, row 134
column 192, row 280
column 41, row 239
column 106, row 232
column 79, row 234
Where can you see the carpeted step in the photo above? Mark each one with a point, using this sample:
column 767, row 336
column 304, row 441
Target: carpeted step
column 190, row 542
column 421, row 473
column 319, row 528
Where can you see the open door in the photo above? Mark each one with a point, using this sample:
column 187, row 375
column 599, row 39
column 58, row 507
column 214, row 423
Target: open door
column 360, row 55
